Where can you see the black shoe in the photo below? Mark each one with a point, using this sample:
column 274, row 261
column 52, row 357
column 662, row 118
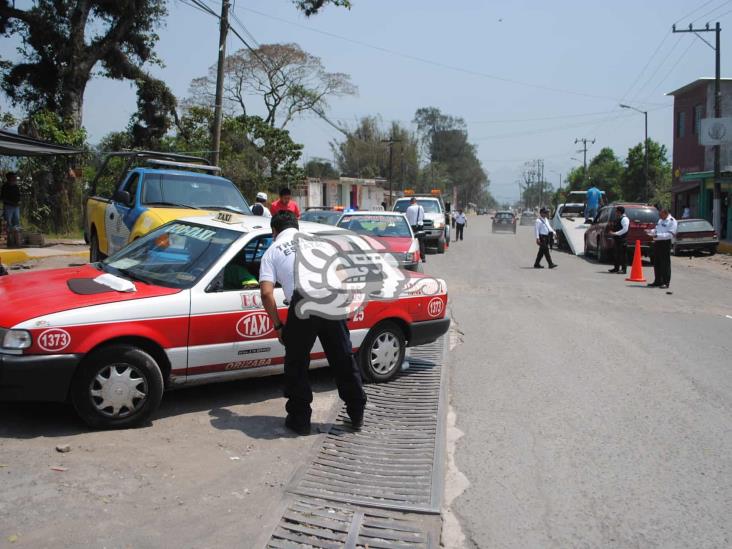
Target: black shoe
column 299, row 427
column 356, row 423
column 663, row 286
column 623, row 272
column 538, row 266
column 653, row 285
column 553, row 266
column 613, row 270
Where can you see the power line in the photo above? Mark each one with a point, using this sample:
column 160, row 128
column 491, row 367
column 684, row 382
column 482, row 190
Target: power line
column 430, row 61
column 711, row 11
column 692, row 12
column 673, row 68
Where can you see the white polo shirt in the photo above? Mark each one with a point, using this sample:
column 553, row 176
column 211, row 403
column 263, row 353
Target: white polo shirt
column 278, row 262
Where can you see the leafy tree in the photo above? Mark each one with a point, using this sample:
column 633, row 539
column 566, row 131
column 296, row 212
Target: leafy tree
column 254, row 155
column 445, row 143
column 289, row 80
column 311, row 7
column 659, row 174
column 365, row 152
column 65, row 41
column 64, row 44
column 52, row 192
column 317, row 167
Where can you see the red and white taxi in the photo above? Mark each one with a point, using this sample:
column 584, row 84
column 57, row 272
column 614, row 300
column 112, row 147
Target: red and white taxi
column 390, row 229
column 177, row 307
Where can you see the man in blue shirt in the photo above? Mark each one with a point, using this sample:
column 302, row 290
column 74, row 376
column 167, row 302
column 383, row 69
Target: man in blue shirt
column 593, row 203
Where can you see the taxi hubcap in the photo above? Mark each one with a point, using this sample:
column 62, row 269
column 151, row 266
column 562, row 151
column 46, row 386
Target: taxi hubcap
column 385, row 353
column 118, row 390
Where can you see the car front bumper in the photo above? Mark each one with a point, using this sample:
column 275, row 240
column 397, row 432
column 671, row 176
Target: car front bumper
column 433, row 234
column 427, row 331
column 37, row 377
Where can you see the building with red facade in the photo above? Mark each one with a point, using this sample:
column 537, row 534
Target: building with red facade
column 693, row 164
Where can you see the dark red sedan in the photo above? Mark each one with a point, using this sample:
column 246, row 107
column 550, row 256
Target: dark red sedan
column 598, row 240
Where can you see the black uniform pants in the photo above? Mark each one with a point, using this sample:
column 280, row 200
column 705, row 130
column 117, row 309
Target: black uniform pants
column 543, row 250
column 299, row 337
column 661, row 262
column 420, row 239
column 459, row 228
column 621, row 254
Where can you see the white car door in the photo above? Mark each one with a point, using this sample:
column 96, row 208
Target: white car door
column 231, row 334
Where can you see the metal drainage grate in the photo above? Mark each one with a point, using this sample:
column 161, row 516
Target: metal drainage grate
column 312, row 523
column 395, row 461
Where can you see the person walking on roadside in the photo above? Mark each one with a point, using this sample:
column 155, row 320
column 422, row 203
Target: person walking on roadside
column 285, row 203
column 260, row 206
column 10, row 195
column 415, row 217
column 460, row 223
column 542, row 230
column 620, row 241
column 663, row 234
column 298, row 334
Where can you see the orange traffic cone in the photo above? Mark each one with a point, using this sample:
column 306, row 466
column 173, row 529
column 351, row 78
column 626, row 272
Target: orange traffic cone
column 636, row 271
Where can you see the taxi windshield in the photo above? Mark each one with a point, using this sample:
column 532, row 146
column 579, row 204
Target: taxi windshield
column 175, row 255
column 377, row 225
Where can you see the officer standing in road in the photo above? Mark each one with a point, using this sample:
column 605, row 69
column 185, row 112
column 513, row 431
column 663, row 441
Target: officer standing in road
column 415, row 217
column 460, row 223
column 620, row 241
column 542, row 230
column 298, row 334
column 664, row 232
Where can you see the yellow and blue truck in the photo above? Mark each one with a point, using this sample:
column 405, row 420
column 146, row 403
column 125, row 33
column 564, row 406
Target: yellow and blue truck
column 154, row 188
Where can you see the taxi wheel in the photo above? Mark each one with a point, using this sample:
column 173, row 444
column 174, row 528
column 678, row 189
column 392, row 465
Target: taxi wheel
column 382, row 352
column 117, row 386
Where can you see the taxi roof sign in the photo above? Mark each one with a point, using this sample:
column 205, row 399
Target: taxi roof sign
column 228, row 217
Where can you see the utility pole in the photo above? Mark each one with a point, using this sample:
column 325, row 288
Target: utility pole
column 717, row 205
column 391, row 142
column 218, row 107
column 645, row 150
column 584, row 142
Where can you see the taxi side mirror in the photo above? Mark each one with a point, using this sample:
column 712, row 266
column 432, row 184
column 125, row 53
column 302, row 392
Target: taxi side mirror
column 122, row 197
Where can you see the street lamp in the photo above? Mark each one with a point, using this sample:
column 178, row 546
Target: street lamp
column 645, row 144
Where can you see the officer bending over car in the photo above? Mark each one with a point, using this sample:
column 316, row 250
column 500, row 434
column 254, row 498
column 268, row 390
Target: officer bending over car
column 298, row 334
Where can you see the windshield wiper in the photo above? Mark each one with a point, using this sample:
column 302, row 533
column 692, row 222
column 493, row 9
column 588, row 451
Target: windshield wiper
column 129, row 274
column 172, row 204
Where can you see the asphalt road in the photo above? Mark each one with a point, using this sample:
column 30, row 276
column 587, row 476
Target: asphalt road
column 596, row 413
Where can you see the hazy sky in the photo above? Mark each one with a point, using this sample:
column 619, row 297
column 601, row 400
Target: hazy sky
column 529, row 76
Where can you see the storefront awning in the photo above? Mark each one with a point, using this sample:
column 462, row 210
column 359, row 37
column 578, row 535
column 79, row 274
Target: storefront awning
column 683, row 186
column 13, row 144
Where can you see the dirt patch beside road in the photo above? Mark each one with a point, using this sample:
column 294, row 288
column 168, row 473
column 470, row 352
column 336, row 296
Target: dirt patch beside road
column 207, row 472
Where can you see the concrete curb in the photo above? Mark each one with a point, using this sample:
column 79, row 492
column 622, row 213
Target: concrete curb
column 11, row 257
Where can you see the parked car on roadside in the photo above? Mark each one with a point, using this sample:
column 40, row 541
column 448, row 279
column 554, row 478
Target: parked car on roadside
column 598, row 240
column 695, row 235
column 390, row 229
column 152, row 189
column 180, row 306
column 504, row 222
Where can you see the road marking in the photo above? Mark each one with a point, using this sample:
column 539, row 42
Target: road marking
column 729, row 316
